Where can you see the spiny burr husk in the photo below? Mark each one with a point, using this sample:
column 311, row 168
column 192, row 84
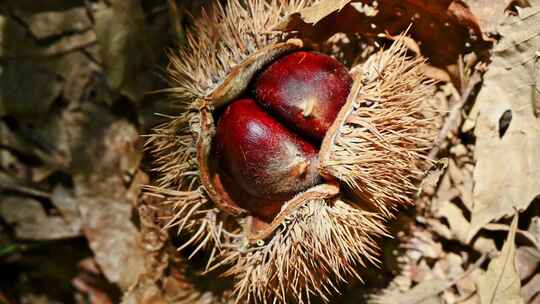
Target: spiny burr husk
column 377, row 144
column 371, row 157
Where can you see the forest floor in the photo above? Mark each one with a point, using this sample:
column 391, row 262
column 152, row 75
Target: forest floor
column 76, row 83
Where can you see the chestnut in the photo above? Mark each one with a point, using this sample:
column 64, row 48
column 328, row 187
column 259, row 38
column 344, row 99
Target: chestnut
column 265, row 145
column 263, row 157
column 304, row 89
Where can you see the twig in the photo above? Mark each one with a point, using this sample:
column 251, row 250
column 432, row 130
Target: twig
column 452, row 122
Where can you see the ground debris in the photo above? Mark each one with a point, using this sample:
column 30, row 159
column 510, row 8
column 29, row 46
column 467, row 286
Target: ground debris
column 75, row 78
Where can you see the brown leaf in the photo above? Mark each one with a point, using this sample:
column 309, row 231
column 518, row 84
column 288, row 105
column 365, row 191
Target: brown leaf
column 102, row 153
column 31, row 80
column 458, row 224
column 531, row 290
column 15, row 43
column 321, row 10
column 534, row 228
column 507, row 134
column 27, row 88
column 31, row 6
column 485, row 245
column 527, row 261
column 124, row 47
column 444, row 29
column 489, row 13
column 103, row 167
column 426, row 292
column 500, row 283
column 113, row 238
column 66, row 203
column 32, row 222
column 475, row 299
column 530, row 239
column 56, row 23
column 95, row 295
column 466, row 285
column 79, row 73
column 89, row 282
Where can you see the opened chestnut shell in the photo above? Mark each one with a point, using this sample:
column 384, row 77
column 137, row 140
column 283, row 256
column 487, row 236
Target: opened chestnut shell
column 266, row 145
column 370, row 155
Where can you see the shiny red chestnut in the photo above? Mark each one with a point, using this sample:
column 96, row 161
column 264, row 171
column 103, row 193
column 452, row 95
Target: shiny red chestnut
column 262, row 156
column 306, row 90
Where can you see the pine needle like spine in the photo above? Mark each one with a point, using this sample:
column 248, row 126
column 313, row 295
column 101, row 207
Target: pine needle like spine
column 379, row 145
column 221, row 39
column 178, row 185
column 320, row 245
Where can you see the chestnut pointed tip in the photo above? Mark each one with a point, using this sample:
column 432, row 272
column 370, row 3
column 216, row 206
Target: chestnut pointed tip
column 300, row 169
column 306, row 90
column 308, row 106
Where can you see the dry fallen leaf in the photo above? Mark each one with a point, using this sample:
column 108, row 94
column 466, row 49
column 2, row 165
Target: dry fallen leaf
column 106, row 187
column 315, row 13
column 55, row 89
column 534, row 228
column 507, row 166
column 47, row 24
column 500, row 284
column 31, row 83
column 531, row 290
column 458, row 224
column 426, row 292
column 444, row 29
column 489, row 13
column 124, row 47
column 32, row 222
column 467, row 287
column 527, row 261
column 485, row 245
column 435, row 270
column 79, row 72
